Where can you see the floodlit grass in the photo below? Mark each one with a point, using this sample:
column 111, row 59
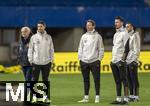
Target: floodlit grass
column 66, row 90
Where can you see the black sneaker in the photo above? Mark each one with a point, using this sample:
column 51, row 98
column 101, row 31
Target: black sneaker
column 124, row 103
column 115, row 102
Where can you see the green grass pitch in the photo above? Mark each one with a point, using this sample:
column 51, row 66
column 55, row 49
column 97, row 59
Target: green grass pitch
column 67, row 89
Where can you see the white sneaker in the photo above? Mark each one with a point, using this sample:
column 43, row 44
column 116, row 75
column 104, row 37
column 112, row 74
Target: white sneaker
column 34, row 99
column 46, row 100
column 97, row 99
column 83, row 101
column 136, row 98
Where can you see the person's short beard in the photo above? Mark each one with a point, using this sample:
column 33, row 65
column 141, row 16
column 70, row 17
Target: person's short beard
column 118, row 27
column 90, row 29
column 41, row 31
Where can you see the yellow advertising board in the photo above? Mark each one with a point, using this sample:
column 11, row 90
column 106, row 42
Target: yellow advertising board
column 68, row 63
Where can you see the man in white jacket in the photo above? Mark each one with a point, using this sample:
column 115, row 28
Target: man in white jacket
column 40, row 53
column 119, row 53
column 90, row 53
column 132, row 62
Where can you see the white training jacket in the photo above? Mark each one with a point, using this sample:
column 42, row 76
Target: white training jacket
column 91, row 47
column 119, row 42
column 134, row 47
column 41, row 50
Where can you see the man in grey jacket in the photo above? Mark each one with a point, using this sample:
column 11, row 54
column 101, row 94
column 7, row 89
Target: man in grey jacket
column 119, row 53
column 132, row 62
column 40, row 53
column 90, row 53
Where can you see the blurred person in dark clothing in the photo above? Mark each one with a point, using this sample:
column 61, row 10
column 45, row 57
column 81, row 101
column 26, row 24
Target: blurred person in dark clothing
column 23, row 51
column 23, row 58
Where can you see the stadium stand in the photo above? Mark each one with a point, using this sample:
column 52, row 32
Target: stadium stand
column 72, row 13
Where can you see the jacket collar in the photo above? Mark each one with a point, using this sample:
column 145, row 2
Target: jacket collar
column 25, row 41
column 44, row 33
column 120, row 29
column 131, row 32
column 91, row 32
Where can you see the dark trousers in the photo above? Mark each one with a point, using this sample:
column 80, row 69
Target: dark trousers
column 27, row 71
column 120, row 75
column 133, row 78
column 95, row 69
column 45, row 69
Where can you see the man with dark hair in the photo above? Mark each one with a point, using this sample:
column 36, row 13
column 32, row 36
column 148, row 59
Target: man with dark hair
column 90, row 53
column 119, row 53
column 42, row 22
column 92, row 21
column 119, row 18
column 40, row 54
column 132, row 62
